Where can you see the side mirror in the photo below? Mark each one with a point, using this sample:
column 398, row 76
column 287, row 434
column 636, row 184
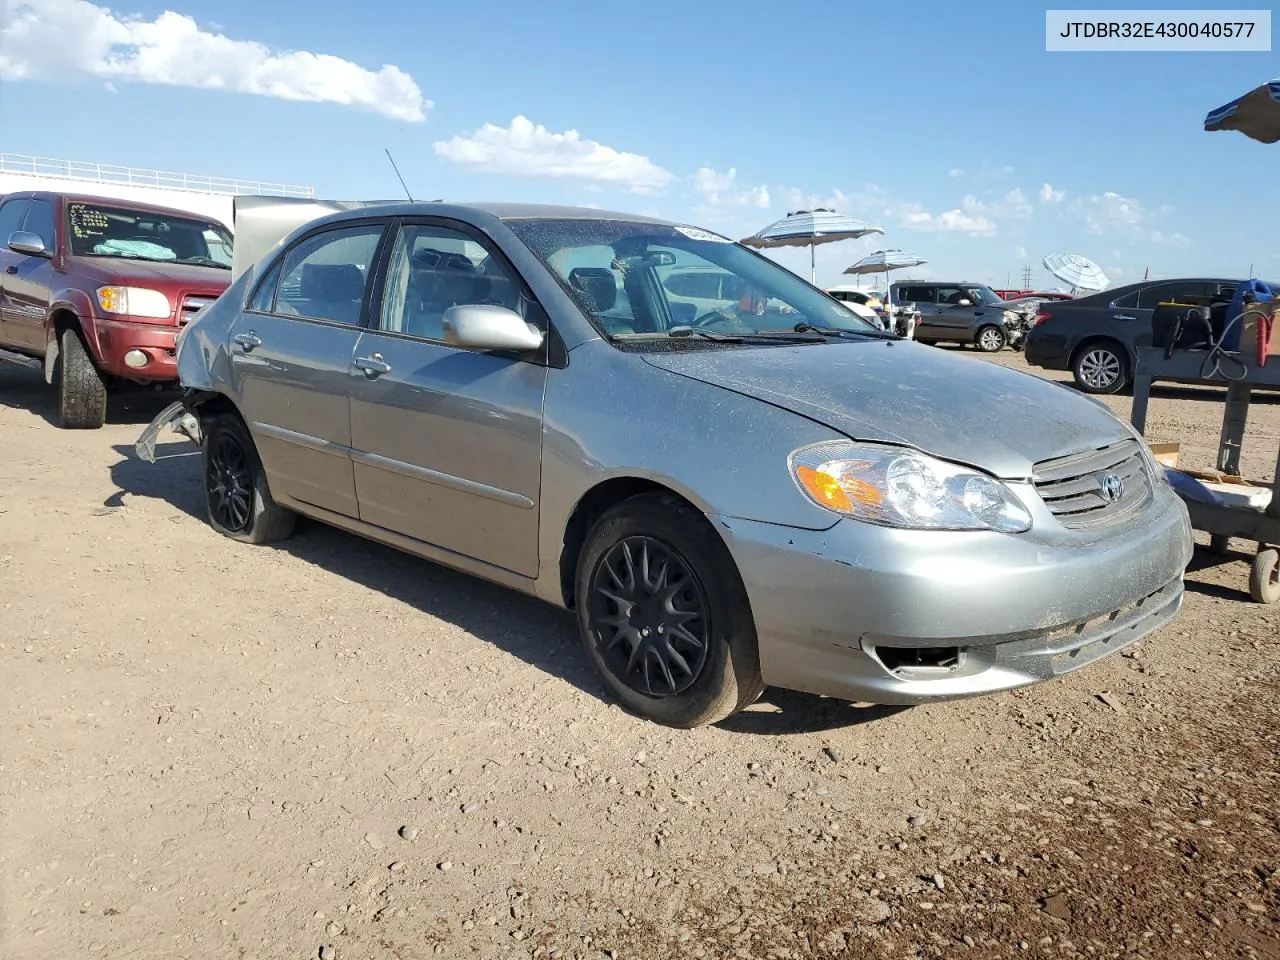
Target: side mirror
column 484, row 326
column 964, row 303
column 26, row 243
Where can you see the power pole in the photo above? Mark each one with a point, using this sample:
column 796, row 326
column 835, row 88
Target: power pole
column 1026, row 278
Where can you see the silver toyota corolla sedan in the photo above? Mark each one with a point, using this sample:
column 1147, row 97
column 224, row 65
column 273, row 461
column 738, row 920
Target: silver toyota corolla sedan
column 730, row 478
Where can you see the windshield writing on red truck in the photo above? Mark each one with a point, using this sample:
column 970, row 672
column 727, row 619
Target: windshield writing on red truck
column 97, row 231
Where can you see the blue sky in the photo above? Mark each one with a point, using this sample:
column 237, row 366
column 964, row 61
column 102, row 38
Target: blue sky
column 948, row 124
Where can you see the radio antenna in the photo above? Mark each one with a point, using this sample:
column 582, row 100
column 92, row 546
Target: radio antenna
column 397, row 170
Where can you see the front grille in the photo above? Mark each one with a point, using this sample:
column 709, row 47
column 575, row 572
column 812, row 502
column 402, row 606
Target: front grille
column 190, row 307
column 1074, row 488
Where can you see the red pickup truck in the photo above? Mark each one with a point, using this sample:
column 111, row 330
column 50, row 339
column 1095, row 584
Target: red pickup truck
column 98, row 289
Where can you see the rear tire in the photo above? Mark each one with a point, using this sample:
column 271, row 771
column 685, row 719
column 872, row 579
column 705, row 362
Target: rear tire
column 664, row 614
column 1101, row 367
column 82, row 393
column 237, row 501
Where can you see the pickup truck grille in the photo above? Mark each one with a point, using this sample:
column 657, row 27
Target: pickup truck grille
column 190, row 306
column 1094, row 487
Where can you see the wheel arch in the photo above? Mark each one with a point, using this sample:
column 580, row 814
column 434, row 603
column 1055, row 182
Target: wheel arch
column 589, row 508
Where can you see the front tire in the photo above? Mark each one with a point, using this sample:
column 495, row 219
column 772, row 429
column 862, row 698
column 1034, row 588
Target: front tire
column 237, row 501
column 990, row 339
column 1101, row 368
column 82, row 392
column 664, row 615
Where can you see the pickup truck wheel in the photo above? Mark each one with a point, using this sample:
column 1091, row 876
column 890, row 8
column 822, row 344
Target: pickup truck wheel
column 664, row 615
column 235, row 486
column 990, row 339
column 82, row 393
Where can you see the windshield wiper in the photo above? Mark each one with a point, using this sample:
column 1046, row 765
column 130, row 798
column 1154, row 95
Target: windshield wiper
column 763, row 336
column 805, row 327
column 206, row 262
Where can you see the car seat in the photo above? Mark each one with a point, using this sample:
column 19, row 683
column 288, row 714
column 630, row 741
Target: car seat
column 333, row 291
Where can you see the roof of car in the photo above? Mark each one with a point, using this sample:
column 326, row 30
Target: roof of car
column 135, row 205
column 506, row 211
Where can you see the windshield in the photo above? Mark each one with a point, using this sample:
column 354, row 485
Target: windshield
column 636, row 281
column 96, row 230
column 985, row 296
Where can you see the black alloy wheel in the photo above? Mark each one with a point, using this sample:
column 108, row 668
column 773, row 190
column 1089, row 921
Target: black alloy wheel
column 229, row 483
column 651, row 617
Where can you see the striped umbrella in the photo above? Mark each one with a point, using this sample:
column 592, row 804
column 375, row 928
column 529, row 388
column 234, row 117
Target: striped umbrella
column 882, row 261
column 1081, row 272
column 1256, row 114
column 808, row 228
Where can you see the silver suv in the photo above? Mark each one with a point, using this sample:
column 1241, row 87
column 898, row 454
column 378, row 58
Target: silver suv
column 956, row 313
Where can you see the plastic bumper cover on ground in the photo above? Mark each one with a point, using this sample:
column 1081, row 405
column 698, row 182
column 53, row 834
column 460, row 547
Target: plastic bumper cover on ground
column 888, row 616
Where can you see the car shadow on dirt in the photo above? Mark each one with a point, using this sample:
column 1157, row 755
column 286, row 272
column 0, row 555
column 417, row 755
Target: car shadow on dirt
column 1205, row 560
column 536, row 632
column 23, row 388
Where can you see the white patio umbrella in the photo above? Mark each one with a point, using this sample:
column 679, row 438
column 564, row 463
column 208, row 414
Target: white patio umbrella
column 1256, row 114
column 1080, row 272
column 808, row 228
column 882, row 261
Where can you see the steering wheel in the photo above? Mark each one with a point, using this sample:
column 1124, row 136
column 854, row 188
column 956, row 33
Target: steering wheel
column 714, row 316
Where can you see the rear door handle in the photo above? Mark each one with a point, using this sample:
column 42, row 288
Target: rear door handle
column 373, row 366
column 1122, row 316
column 12, row 268
column 247, row 341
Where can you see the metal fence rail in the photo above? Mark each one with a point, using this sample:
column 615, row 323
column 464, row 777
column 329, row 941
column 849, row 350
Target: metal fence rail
column 110, row 173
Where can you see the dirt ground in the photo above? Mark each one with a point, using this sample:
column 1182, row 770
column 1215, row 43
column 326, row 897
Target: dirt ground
column 333, row 750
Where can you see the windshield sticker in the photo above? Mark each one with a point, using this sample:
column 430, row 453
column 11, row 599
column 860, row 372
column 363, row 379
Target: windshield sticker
column 694, row 233
column 87, row 221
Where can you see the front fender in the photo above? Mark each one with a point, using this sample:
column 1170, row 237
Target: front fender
column 78, row 304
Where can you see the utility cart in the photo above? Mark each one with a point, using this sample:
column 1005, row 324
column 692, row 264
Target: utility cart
column 1224, row 522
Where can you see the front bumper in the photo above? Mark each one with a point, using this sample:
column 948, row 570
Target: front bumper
column 877, row 615
column 156, row 341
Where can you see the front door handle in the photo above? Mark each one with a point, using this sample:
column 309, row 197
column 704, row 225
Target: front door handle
column 373, row 366
column 1122, row 316
column 11, row 268
column 247, row 341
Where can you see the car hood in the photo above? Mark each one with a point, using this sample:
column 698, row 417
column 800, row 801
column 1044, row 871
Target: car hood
column 954, row 407
column 127, row 272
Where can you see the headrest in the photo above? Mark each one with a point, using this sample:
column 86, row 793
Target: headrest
column 596, row 284
column 332, row 283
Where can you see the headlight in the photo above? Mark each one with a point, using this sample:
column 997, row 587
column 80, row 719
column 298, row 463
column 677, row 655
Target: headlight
column 135, row 302
column 896, row 487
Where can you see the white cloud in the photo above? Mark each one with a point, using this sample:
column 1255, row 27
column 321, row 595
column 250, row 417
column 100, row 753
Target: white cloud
column 914, row 217
column 54, row 40
column 1013, row 205
column 1173, row 239
column 531, row 150
column 1050, row 195
column 955, row 173
column 1107, row 212
column 723, row 189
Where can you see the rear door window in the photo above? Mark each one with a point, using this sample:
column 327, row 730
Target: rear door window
column 326, row 276
column 915, row 295
column 1173, row 291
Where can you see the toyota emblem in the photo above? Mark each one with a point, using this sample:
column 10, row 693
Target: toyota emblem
column 1112, row 487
